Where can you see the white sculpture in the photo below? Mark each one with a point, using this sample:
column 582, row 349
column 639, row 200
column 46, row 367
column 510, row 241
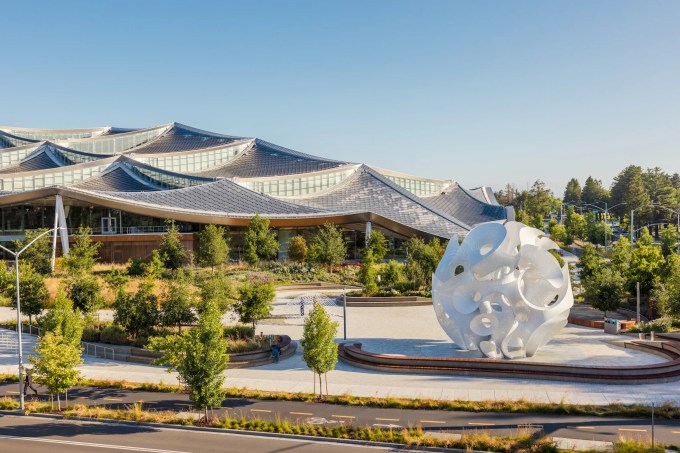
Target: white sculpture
column 501, row 291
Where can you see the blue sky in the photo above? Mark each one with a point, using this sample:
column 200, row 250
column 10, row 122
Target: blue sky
column 484, row 92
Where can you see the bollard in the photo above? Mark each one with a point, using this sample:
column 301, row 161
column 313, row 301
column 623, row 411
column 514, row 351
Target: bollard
column 651, row 336
column 641, row 336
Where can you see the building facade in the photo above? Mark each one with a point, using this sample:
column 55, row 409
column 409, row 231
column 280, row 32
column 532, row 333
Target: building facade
column 125, row 183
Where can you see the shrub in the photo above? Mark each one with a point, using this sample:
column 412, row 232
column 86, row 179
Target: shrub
column 136, row 267
column 238, row 331
column 660, row 325
column 140, row 342
column 297, row 249
column 91, row 334
column 114, row 334
column 392, row 273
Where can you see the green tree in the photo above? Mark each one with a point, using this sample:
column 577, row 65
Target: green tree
column 199, row 357
column 32, row 289
column 572, row 193
column 378, row 245
column 85, row 292
column 628, row 188
column 597, row 231
column 422, row 261
column 137, row 313
column 368, row 273
column 259, row 241
column 522, row 217
column 218, row 289
column 577, row 226
column 559, row 233
column 538, row 201
column 213, row 249
column 82, row 254
column 177, row 305
column 59, row 351
column 392, row 273
column 590, row 262
column 39, row 254
column 328, row 247
column 594, row 191
column 605, row 290
column 646, row 263
column 620, row 257
column 255, row 300
column 170, row 249
column 320, row 352
column 116, row 279
column 669, row 238
column 297, row 249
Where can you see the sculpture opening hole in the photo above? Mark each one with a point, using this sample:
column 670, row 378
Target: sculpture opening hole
column 476, row 296
column 552, row 302
column 459, row 270
column 496, row 307
column 486, row 248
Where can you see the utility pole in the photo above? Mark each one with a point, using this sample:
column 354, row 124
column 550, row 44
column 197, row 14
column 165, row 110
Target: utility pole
column 637, row 287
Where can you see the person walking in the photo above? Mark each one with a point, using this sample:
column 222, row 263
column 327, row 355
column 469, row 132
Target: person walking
column 28, row 383
column 302, row 307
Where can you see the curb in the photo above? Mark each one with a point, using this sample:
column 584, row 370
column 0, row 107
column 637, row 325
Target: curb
column 318, row 439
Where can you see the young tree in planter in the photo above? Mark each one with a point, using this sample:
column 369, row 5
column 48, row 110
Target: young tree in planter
column 217, row 288
column 367, row 273
column 213, row 249
column 178, row 303
column 59, row 351
column 82, row 254
column 85, row 292
column 328, row 247
column 34, row 294
column 378, row 245
column 297, row 248
column 170, row 248
column 260, row 241
column 320, row 352
column 256, row 297
column 200, row 357
column 39, row 254
column 137, row 313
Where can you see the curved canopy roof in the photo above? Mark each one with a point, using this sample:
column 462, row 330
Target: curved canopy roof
column 460, row 203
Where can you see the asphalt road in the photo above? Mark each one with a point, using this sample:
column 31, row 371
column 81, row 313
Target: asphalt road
column 36, row 435
column 574, row 427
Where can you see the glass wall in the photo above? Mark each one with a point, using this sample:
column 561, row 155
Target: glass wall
column 167, row 180
column 7, row 141
column 418, row 186
column 297, row 186
column 38, row 181
column 197, row 161
column 54, row 135
column 115, row 144
column 11, row 157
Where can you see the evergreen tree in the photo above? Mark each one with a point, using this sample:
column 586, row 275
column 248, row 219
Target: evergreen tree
column 320, row 352
column 260, row 241
column 669, row 239
column 213, row 249
column 328, row 247
column 590, row 263
column 59, row 351
column 170, row 249
column 538, row 201
column 629, row 188
column 593, row 191
column 177, row 305
column 200, row 358
column 378, row 245
column 297, row 249
column 39, row 254
column 522, row 217
column 82, row 254
column 256, row 297
column 572, row 193
column 85, row 292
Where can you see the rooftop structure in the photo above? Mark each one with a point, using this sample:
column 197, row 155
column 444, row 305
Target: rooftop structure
column 122, row 181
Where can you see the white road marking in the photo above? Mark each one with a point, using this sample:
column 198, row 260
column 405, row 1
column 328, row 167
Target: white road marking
column 89, row 444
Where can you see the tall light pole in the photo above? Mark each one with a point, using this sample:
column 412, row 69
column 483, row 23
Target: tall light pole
column 21, row 354
column 677, row 213
column 606, row 216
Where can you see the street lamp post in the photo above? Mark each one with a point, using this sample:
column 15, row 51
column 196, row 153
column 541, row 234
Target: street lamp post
column 20, row 348
column 654, row 205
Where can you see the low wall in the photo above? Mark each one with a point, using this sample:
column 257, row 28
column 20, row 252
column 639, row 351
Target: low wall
column 643, row 374
column 399, row 301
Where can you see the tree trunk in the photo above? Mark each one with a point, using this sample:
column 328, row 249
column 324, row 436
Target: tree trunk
column 325, row 376
column 206, row 414
column 320, row 387
column 66, row 398
column 58, row 402
column 314, row 374
column 179, row 327
column 253, row 330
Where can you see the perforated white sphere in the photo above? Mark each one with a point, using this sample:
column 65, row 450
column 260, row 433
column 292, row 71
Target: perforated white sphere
column 501, row 291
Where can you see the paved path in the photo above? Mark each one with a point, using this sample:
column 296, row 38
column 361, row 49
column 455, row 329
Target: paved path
column 572, row 427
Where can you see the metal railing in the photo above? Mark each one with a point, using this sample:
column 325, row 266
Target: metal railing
column 30, row 329
column 96, row 350
column 8, row 341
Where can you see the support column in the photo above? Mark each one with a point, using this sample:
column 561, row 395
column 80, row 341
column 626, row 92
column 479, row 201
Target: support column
column 55, row 233
column 63, row 229
column 368, row 231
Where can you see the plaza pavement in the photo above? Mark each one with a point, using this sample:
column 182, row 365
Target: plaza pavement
column 407, row 330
